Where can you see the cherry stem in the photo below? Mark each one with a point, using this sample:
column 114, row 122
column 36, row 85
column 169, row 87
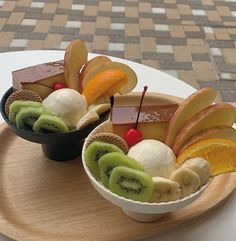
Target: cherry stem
column 140, row 105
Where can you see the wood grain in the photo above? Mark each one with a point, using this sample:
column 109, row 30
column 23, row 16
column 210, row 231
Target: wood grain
column 45, row 200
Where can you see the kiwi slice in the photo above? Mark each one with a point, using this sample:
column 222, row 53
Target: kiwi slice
column 131, row 184
column 49, row 124
column 15, row 107
column 26, row 117
column 94, row 152
column 114, row 159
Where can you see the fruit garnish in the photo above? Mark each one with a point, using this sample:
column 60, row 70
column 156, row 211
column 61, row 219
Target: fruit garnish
column 225, row 132
column 106, row 83
column 188, row 180
column 58, row 86
column 131, row 75
column 94, row 152
column 27, row 116
column 114, row 159
column 220, row 153
column 76, row 56
column 50, row 124
column 165, row 190
column 213, row 115
column 15, row 107
column 133, row 135
column 187, row 109
column 200, row 166
column 130, row 183
column 88, row 66
column 89, row 118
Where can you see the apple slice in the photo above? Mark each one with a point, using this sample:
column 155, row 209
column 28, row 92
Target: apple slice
column 132, row 77
column 89, row 65
column 76, row 56
column 225, row 132
column 189, row 107
column 214, row 115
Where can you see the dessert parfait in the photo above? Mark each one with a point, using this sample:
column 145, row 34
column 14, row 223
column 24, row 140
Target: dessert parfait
column 59, row 103
column 159, row 150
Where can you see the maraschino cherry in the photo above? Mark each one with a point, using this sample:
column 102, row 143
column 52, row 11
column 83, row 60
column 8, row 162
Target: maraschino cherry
column 133, row 136
column 58, row 86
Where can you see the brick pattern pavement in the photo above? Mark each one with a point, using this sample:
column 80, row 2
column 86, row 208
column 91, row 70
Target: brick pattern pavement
column 192, row 40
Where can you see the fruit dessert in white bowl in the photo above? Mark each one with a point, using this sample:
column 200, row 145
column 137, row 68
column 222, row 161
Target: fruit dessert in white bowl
column 144, row 175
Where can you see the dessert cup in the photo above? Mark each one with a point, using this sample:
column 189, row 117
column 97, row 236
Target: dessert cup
column 55, row 146
column 139, row 211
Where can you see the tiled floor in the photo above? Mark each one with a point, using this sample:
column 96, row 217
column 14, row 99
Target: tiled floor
column 194, row 40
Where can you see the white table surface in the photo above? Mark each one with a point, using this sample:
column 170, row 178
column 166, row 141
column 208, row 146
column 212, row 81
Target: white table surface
column 219, row 225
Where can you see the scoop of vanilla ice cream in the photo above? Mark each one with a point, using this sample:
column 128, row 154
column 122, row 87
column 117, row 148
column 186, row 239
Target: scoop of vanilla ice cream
column 68, row 104
column 156, row 157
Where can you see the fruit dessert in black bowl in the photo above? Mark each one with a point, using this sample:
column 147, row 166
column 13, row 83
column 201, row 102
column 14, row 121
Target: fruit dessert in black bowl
column 58, row 141
column 58, row 104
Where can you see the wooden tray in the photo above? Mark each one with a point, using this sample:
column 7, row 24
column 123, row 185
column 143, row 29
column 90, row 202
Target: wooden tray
column 45, row 200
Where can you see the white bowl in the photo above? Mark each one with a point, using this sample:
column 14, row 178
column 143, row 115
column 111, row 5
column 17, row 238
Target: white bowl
column 140, row 211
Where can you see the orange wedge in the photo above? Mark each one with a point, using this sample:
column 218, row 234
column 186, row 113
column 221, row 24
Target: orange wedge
column 106, row 83
column 220, row 153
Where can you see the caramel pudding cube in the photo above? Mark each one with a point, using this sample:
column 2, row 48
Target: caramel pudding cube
column 39, row 78
column 155, row 114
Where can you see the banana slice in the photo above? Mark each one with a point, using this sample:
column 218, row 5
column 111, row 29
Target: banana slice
column 188, row 180
column 200, row 166
column 165, row 190
column 100, row 108
column 87, row 119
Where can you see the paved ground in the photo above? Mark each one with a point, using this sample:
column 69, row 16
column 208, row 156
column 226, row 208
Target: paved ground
column 194, row 40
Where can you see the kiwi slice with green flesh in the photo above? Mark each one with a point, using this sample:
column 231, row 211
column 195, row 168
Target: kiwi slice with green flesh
column 131, row 184
column 15, row 107
column 111, row 160
column 49, row 124
column 26, row 116
column 94, row 152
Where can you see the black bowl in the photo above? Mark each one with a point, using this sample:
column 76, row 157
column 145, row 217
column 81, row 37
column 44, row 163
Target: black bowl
column 55, row 146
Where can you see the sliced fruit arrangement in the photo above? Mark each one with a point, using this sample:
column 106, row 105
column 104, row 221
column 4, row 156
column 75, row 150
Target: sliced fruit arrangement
column 188, row 108
column 109, row 161
column 95, row 151
column 220, row 153
column 213, row 115
column 33, row 116
column 147, row 174
column 225, row 132
column 198, row 118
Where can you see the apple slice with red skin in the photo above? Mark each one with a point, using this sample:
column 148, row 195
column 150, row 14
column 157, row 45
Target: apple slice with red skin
column 88, row 66
column 187, row 109
column 225, row 132
column 214, row 115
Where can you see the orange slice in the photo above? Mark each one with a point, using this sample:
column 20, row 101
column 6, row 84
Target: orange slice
column 220, row 153
column 106, row 83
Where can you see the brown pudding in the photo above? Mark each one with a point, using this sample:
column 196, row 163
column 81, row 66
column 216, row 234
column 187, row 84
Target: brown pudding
column 39, row 78
column 155, row 115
